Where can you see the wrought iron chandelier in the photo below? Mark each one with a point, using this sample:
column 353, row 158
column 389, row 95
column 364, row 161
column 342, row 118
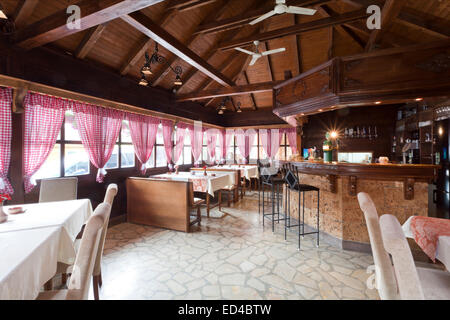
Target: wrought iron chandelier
column 155, row 58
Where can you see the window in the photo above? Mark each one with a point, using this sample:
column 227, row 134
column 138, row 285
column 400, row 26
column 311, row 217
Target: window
column 158, row 158
column 285, row 150
column 186, row 156
column 254, row 150
column 123, row 153
column 69, row 158
column 205, row 155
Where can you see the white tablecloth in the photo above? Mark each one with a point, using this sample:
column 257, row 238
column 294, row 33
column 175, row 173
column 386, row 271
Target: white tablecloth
column 247, row 171
column 212, row 184
column 443, row 245
column 29, row 259
column 32, row 243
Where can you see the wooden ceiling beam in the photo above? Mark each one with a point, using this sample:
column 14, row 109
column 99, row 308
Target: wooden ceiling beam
column 139, row 51
column 158, row 77
column 389, row 39
column 390, row 11
column 144, row 24
column 245, row 18
column 297, row 29
column 326, row 11
column 252, row 96
column 24, row 10
column 89, row 41
column 430, row 24
column 185, row 5
column 94, row 13
column 231, row 91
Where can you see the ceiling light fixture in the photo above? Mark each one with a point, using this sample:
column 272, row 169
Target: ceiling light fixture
column 2, row 14
column 238, row 108
column 157, row 58
column 222, row 105
column 419, row 99
column 378, row 102
column 143, row 81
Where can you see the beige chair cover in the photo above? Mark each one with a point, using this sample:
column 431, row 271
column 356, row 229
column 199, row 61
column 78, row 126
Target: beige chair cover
column 385, row 277
column 78, row 288
column 59, row 189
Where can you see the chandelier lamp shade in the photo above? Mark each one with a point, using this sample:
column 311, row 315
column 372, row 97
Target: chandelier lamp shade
column 156, row 58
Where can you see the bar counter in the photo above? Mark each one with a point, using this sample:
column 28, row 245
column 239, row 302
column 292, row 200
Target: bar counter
column 398, row 189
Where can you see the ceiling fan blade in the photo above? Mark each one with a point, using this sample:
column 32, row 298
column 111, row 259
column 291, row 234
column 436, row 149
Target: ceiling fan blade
column 254, row 59
column 244, row 51
column 266, row 53
column 299, row 10
column 263, row 17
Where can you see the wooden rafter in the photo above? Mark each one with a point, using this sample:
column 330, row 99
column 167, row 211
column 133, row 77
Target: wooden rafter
column 158, row 77
column 297, row 29
column 183, row 5
column 94, row 13
column 139, row 51
column 243, row 19
column 294, row 39
column 252, row 96
column 298, row 48
column 144, row 24
column 89, row 41
column 326, row 11
column 231, row 91
column 390, row 11
column 389, row 39
column 24, row 10
column 430, row 24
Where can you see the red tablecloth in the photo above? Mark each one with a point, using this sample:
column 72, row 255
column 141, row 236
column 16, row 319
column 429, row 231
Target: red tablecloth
column 427, row 231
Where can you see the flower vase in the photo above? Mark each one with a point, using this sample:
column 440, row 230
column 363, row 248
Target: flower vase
column 204, row 172
column 3, row 215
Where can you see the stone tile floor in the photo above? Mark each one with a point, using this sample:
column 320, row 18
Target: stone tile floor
column 230, row 256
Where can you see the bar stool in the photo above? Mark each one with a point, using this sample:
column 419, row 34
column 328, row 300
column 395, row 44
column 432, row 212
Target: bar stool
column 293, row 185
column 275, row 182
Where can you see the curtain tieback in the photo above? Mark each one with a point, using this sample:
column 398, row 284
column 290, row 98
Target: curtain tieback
column 101, row 173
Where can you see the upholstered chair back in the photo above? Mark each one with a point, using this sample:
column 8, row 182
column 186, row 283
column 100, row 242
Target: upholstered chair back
column 111, row 193
column 109, row 199
column 84, row 263
column 385, row 277
column 395, row 243
column 59, row 189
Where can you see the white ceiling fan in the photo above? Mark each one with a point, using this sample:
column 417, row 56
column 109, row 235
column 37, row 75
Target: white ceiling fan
column 281, row 8
column 256, row 55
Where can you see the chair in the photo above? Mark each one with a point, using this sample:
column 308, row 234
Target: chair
column 110, row 194
column 413, row 283
column 230, row 190
column 59, row 189
column 78, row 288
column 292, row 180
column 195, row 204
column 384, row 273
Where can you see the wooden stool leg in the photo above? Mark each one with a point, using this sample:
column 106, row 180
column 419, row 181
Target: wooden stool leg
column 229, row 198
column 207, row 205
column 48, row 285
column 95, row 280
column 64, row 279
column 199, row 218
column 220, row 200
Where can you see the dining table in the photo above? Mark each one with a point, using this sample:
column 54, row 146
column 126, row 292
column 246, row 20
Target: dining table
column 248, row 171
column 432, row 235
column 33, row 242
column 208, row 184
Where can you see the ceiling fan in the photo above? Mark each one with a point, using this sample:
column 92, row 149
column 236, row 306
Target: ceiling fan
column 281, row 8
column 256, row 55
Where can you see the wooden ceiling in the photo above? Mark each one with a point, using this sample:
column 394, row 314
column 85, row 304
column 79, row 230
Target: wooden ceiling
column 198, row 36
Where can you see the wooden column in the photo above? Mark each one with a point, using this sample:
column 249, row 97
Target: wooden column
column 16, row 164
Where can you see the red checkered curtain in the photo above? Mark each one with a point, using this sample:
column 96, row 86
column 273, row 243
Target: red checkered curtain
column 5, row 139
column 143, row 134
column 211, row 141
column 196, row 134
column 167, row 126
column 99, row 129
column 179, row 141
column 44, row 116
column 291, row 135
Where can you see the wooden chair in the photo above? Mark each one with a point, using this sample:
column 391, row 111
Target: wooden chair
column 230, row 191
column 78, row 288
column 59, row 189
column 195, row 205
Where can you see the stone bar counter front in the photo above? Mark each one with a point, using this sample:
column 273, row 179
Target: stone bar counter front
column 398, row 189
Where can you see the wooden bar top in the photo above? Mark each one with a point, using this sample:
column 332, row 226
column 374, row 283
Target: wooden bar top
column 375, row 171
